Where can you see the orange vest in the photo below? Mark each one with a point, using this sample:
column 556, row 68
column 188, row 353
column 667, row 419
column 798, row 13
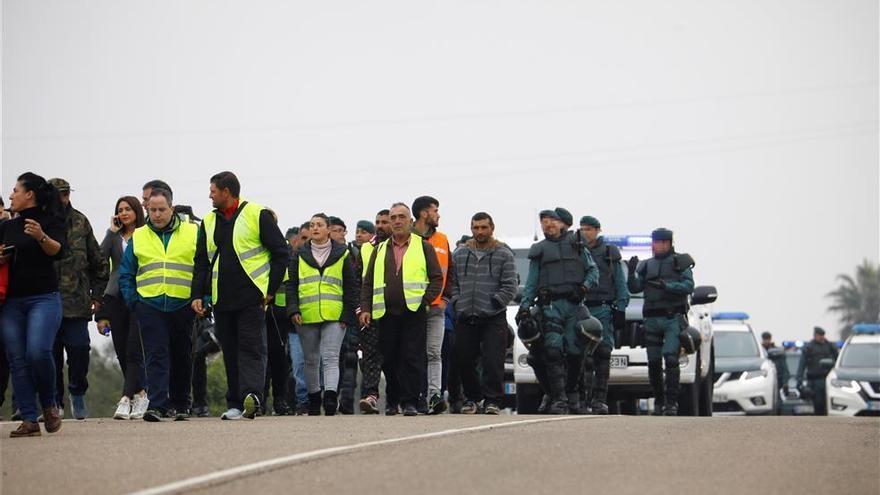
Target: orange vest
column 441, row 248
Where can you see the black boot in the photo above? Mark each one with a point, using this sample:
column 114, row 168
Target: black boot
column 655, row 376
column 574, row 404
column 599, row 404
column 315, row 404
column 544, row 406
column 558, row 398
column 330, row 403
column 673, row 373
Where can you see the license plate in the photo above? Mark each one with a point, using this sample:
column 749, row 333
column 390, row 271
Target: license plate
column 619, row 361
column 874, row 405
column 510, row 388
column 719, row 398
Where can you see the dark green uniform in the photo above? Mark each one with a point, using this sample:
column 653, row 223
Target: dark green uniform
column 561, row 271
column 814, row 352
column 667, row 281
column 609, row 296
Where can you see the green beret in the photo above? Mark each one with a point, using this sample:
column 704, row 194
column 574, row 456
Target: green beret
column 591, row 221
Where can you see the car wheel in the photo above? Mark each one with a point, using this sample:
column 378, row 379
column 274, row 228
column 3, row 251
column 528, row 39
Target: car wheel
column 528, row 398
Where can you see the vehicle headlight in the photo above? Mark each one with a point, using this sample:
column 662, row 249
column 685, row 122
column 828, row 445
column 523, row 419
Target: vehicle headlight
column 755, row 374
column 851, row 386
column 523, row 360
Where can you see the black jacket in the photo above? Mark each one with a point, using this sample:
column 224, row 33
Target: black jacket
column 350, row 292
column 31, row 271
column 236, row 290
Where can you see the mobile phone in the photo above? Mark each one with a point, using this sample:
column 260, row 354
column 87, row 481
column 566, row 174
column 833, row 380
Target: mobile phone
column 117, row 222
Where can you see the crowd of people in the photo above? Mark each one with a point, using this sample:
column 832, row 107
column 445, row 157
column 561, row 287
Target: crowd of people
column 295, row 316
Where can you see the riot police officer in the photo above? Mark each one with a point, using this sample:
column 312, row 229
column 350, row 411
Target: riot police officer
column 607, row 302
column 815, row 351
column 667, row 281
column 561, row 273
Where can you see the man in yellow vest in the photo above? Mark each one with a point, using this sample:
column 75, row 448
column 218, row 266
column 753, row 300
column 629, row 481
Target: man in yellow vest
column 402, row 279
column 241, row 258
column 155, row 279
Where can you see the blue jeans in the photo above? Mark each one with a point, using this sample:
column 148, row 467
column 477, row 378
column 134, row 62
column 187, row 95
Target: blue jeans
column 29, row 328
column 298, row 362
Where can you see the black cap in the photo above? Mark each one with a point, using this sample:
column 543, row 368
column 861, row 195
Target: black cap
column 661, row 234
column 818, row 331
column 766, row 336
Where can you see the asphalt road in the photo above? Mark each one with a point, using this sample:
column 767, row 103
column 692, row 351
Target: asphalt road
column 613, row 455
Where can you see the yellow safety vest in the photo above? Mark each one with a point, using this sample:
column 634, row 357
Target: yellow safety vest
column 253, row 256
column 366, row 251
column 320, row 295
column 165, row 271
column 415, row 276
column 281, row 295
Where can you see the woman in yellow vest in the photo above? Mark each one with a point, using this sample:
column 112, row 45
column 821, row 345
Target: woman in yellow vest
column 321, row 298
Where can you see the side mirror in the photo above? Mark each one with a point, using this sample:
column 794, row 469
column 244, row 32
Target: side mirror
column 704, row 294
column 826, row 364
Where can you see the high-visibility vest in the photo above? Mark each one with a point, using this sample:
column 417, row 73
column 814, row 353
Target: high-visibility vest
column 281, row 295
column 165, row 270
column 320, row 294
column 367, row 249
column 253, row 256
column 414, row 271
column 441, row 249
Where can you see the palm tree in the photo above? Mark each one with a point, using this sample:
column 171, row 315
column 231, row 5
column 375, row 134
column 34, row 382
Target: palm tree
column 857, row 300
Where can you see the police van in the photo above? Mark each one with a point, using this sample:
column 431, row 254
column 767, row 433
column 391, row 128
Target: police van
column 745, row 376
column 853, row 385
column 628, row 381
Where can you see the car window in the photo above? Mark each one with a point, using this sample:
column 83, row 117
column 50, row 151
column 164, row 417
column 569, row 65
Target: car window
column 735, row 344
column 861, row 356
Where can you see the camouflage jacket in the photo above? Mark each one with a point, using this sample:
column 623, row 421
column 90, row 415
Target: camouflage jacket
column 82, row 272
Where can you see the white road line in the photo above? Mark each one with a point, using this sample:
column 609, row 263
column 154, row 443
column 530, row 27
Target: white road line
column 290, row 460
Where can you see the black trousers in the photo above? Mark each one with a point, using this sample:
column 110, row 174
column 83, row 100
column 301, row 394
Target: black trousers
column 73, row 337
column 205, row 346
column 486, row 337
column 278, row 328
column 167, row 341
column 402, row 340
column 371, row 362
column 451, row 378
column 242, row 335
column 126, row 334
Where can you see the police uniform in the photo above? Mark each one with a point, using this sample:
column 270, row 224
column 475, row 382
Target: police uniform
column 667, row 281
column 561, row 271
column 609, row 296
column 814, row 352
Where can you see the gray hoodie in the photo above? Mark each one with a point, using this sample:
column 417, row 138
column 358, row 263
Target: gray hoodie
column 485, row 280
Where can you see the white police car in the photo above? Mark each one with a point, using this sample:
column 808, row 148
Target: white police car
column 628, row 381
column 853, row 385
column 745, row 377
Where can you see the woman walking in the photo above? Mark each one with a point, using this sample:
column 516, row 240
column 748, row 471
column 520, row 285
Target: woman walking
column 115, row 319
column 31, row 243
column 321, row 297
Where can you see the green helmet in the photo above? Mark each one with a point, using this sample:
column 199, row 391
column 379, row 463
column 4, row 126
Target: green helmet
column 589, row 329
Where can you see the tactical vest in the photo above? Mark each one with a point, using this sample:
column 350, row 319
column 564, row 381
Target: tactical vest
column 815, row 352
column 607, row 257
column 562, row 266
column 662, row 269
column 165, row 270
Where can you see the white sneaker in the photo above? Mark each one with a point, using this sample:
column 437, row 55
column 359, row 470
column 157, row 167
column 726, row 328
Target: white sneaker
column 139, row 405
column 123, row 409
column 231, row 414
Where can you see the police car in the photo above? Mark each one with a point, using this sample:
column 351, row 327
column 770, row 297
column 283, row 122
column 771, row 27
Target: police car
column 853, row 385
column 628, row 380
column 745, row 377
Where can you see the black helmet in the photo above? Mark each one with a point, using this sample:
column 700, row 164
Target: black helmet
column 690, row 339
column 589, row 329
column 528, row 330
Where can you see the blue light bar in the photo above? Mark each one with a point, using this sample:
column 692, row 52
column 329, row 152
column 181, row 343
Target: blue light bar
column 866, row 328
column 839, row 344
column 628, row 240
column 731, row 315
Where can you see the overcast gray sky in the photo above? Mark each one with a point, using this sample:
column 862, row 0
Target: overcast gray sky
column 749, row 127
